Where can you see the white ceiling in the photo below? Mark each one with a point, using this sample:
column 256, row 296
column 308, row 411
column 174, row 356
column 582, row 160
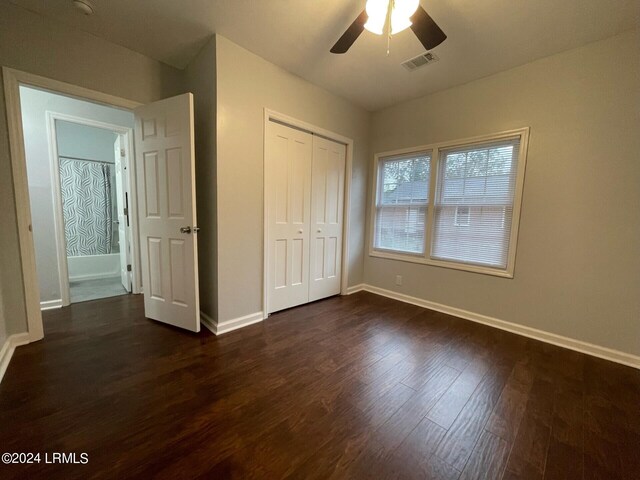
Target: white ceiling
column 485, row 36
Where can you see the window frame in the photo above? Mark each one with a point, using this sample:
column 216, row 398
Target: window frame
column 434, row 150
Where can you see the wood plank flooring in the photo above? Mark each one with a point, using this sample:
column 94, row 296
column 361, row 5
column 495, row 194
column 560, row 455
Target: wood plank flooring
column 348, row 387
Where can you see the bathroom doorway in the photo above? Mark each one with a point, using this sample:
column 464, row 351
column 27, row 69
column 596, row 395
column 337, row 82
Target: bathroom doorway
column 77, row 155
column 93, row 198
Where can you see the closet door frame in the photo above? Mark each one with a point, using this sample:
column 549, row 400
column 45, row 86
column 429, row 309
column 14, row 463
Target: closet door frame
column 58, row 217
column 273, row 116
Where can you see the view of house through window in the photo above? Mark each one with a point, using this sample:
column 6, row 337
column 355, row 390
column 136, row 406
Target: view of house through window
column 476, row 187
column 473, row 203
column 463, row 217
column 402, row 203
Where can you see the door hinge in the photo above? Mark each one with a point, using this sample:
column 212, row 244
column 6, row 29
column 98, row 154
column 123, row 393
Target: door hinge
column 128, row 268
column 122, row 152
column 126, row 212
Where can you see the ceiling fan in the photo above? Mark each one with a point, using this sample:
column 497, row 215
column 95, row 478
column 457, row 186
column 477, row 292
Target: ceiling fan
column 397, row 15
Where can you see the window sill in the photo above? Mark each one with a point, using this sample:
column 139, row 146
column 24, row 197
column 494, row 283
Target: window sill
column 419, row 259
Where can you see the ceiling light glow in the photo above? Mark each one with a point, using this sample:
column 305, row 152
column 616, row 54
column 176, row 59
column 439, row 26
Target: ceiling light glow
column 401, row 14
column 377, row 11
column 401, row 11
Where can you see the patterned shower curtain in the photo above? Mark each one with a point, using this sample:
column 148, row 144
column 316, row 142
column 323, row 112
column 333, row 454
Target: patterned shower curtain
column 86, row 206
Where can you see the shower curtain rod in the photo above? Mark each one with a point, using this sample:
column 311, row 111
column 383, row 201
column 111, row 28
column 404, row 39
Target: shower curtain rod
column 85, row 159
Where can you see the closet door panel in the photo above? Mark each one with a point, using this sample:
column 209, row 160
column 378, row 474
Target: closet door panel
column 288, row 158
column 327, row 200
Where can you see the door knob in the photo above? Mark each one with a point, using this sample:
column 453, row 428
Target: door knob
column 185, row 229
column 319, row 230
column 300, row 231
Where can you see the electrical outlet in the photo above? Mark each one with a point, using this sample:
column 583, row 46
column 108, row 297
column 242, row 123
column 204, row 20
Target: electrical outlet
column 398, row 280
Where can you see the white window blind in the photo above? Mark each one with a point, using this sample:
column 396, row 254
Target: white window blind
column 474, row 203
column 401, row 203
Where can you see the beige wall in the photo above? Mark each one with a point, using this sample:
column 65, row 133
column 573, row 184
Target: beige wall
column 577, row 270
column 3, row 323
column 201, row 81
column 34, row 44
column 246, row 85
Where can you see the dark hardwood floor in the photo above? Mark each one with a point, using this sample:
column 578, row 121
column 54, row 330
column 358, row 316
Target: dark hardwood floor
column 349, row 387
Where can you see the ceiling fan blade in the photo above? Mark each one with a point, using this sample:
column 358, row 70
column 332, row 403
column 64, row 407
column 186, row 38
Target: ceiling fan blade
column 426, row 29
column 353, row 32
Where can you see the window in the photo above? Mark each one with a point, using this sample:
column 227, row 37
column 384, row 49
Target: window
column 479, row 180
column 469, row 221
column 402, row 201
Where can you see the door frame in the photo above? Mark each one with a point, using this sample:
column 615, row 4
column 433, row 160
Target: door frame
column 272, row 115
column 58, row 216
column 12, row 80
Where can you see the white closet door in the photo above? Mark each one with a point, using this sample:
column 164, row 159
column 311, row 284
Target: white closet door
column 327, row 200
column 288, row 194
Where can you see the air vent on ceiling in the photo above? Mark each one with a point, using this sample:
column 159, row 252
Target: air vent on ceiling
column 420, row 61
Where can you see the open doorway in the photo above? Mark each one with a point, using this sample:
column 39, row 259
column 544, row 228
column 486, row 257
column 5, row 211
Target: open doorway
column 94, row 196
column 77, row 155
column 162, row 208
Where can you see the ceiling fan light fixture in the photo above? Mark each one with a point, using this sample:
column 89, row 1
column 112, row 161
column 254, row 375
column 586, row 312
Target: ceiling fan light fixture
column 405, row 8
column 399, row 24
column 401, row 14
column 377, row 12
column 401, row 11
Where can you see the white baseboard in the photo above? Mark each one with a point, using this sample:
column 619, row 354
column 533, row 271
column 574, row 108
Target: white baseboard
column 7, row 349
column 218, row 328
column 547, row 337
column 355, row 288
column 51, row 304
column 208, row 322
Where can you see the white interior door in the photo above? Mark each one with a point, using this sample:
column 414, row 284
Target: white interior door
column 327, row 200
column 122, row 198
column 165, row 177
column 288, row 195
